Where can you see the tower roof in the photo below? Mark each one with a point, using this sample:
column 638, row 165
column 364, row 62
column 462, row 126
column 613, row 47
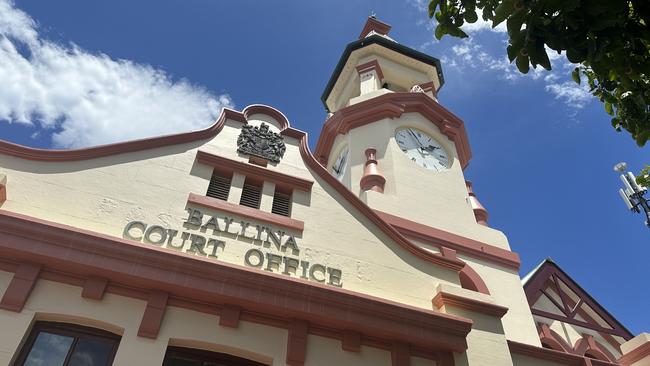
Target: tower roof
column 376, row 33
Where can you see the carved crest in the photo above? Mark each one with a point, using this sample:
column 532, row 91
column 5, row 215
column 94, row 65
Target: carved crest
column 261, row 142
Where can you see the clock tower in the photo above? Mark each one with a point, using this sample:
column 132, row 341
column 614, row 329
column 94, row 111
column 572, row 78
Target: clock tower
column 389, row 140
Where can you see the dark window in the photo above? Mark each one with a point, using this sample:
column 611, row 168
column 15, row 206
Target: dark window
column 219, row 185
column 177, row 356
column 251, row 193
column 281, row 202
column 60, row 344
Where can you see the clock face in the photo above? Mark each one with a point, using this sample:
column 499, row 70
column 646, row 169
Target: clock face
column 341, row 162
column 422, row 149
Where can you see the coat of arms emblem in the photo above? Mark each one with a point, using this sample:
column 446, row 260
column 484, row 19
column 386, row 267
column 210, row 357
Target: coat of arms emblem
column 261, row 142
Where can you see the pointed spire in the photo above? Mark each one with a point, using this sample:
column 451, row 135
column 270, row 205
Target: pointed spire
column 376, row 26
column 480, row 212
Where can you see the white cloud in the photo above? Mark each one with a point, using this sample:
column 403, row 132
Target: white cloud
column 483, row 25
column 573, row 95
column 91, row 99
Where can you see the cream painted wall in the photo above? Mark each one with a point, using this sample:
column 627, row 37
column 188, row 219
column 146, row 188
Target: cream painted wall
column 441, row 197
column 103, row 194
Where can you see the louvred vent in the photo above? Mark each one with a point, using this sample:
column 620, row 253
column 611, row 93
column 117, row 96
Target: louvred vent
column 219, row 186
column 281, row 204
column 251, row 195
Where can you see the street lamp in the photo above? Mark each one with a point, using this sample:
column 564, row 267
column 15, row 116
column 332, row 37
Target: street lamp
column 632, row 193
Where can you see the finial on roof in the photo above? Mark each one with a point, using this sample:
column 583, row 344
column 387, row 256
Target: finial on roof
column 374, row 25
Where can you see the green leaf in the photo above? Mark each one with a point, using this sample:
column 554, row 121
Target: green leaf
column 515, row 21
column 471, row 16
column 575, row 74
column 609, row 109
column 502, row 12
column 512, row 52
column 433, row 4
column 457, row 32
column 439, row 32
column 575, row 55
column 522, row 63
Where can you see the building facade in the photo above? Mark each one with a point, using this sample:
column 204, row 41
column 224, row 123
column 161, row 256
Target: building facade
column 237, row 245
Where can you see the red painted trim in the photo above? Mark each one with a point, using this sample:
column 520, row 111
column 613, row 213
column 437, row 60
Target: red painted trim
column 552, row 355
column 635, row 355
column 297, row 343
column 269, row 111
column 549, row 271
column 29, row 153
column 446, row 299
column 374, row 24
column 229, row 316
column 94, row 288
column 20, row 287
column 552, row 339
column 153, row 315
column 587, row 344
column 372, row 179
column 3, row 193
column 393, row 105
column 370, row 66
column 400, row 354
column 351, row 341
column 471, row 280
column 84, row 253
column 249, row 212
column 461, row 244
column 250, row 170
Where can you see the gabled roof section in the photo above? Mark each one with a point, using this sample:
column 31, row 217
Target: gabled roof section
column 553, row 294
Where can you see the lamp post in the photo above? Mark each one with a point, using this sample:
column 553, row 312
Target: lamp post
column 633, row 193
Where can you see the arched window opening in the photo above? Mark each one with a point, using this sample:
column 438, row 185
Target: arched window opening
column 51, row 343
column 180, row 356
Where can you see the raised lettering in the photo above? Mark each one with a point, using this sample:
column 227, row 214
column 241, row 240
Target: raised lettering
column 153, row 229
column 312, row 272
column 290, row 265
column 194, row 218
column 335, row 277
column 257, row 253
column 291, row 244
column 216, row 244
column 272, row 261
column 197, row 243
column 133, row 224
column 304, row 265
column 184, row 236
column 211, row 224
column 276, row 239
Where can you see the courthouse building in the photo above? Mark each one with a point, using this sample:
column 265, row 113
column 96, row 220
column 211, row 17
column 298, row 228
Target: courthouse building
column 238, row 245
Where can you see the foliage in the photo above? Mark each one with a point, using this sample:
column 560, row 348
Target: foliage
column 608, row 40
column 644, row 177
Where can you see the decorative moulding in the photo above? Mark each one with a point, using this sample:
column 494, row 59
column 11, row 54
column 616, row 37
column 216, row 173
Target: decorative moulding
column 376, row 25
column 372, row 179
column 459, row 243
column 247, row 212
column 254, row 171
column 393, row 105
column 371, row 66
column 204, row 285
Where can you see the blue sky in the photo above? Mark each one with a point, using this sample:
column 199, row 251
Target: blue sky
column 76, row 73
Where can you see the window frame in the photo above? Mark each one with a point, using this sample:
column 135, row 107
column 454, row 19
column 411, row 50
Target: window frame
column 69, row 330
column 202, row 355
